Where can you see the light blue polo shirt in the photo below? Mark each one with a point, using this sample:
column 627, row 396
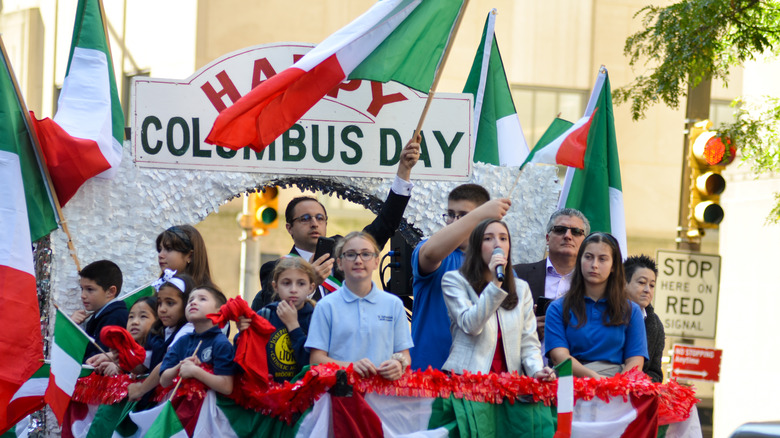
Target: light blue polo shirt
column 350, row 328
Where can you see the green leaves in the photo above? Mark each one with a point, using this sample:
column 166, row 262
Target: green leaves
column 693, row 40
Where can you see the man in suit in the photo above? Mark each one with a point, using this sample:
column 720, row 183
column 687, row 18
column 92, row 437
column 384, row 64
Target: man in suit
column 307, row 220
column 551, row 276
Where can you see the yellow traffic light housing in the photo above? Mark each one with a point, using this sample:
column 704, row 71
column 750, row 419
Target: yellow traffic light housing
column 709, row 155
column 262, row 211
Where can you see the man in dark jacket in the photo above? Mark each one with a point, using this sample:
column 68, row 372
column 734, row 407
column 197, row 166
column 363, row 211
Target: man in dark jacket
column 307, row 221
column 551, row 276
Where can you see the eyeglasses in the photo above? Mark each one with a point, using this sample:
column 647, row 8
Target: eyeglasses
column 307, row 218
column 352, row 256
column 450, row 217
column 560, row 229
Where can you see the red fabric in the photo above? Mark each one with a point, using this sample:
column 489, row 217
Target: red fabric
column 499, row 357
column 57, row 399
column 353, row 417
column 564, row 425
column 271, row 108
column 572, row 150
column 250, row 346
column 646, row 423
column 118, row 338
column 71, row 161
column 21, row 340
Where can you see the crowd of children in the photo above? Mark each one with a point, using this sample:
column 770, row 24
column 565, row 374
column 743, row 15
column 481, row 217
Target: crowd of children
column 468, row 315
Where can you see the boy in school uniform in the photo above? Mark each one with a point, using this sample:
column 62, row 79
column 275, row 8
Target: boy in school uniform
column 214, row 349
column 101, row 283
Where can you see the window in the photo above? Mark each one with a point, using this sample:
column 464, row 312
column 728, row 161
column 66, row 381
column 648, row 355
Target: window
column 537, row 107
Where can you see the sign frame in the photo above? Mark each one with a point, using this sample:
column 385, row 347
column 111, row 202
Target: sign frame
column 658, row 297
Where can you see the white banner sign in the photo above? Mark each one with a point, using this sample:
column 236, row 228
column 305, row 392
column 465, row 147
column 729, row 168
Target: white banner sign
column 358, row 129
column 686, row 293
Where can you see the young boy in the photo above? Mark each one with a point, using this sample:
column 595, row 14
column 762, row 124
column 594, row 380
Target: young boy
column 467, row 206
column 100, row 283
column 214, row 350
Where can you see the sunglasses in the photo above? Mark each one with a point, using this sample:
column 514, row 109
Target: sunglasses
column 561, row 230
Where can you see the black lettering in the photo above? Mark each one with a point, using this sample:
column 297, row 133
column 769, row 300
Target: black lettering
column 671, row 304
column 668, row 265
column 150, row 120
column 351, row 129
column 695, row 268
column 698, row 306
column 185, row 134
column 315, row 145
column 447, row 149
column 705, row 267
column 384, row 133
column 196, row 150
column 684, row 304
column 289, row 142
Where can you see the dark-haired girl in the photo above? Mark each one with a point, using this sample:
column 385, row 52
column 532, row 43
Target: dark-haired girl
column 595, row 323
column 493, row 325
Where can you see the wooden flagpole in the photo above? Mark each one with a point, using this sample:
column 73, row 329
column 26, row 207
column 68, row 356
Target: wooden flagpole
column 436, row 78
column 40, row 158
column 194, row 354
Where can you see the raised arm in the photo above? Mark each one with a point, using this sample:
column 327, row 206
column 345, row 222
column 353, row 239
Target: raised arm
column 446, row 240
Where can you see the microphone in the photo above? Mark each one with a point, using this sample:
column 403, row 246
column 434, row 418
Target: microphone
column 499, row 268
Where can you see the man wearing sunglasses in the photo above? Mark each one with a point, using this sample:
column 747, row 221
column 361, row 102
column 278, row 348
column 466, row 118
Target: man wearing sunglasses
column 551, row 277
column 307, row 221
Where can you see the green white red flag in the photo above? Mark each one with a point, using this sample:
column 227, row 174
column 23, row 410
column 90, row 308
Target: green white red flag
column 499, row 138
column 27, row 399
column 596, row 190
column 395, row 40
column 67, row 355
column 85, row 138
column 26, row 215
column 565, row 404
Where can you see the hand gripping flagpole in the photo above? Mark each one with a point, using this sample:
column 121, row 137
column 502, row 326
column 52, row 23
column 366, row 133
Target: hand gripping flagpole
column 41, row 160
column 439, row 68
column 175, row 388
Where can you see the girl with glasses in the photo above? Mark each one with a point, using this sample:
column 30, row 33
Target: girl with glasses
column 360, row 324
column 595, row 324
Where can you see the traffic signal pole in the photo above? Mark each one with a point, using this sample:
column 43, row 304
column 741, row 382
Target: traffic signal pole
column 697, row 109
column 249, row 277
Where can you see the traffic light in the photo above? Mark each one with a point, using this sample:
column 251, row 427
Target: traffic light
column 262, row 211
column 709, row 155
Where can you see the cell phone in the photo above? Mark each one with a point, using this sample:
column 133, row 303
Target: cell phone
column 325, row 245
column 541, row 305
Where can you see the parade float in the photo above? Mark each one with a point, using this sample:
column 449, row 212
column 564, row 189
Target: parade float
column 168, row 174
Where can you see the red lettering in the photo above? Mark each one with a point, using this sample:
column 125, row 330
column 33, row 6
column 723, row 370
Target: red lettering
column 352, row 85
column 262, row 66
column 378, row 100
column 297, row 58
column 228, row 88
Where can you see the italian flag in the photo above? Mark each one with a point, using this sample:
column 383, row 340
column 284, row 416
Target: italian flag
column 395, row 40
column 26, row 215
column 565, row 399
column 85, row 138
column 27, row 399
column 589, row 147
column 596, row 189
column 67, row 354
column 135, row 295
column 499, row 138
